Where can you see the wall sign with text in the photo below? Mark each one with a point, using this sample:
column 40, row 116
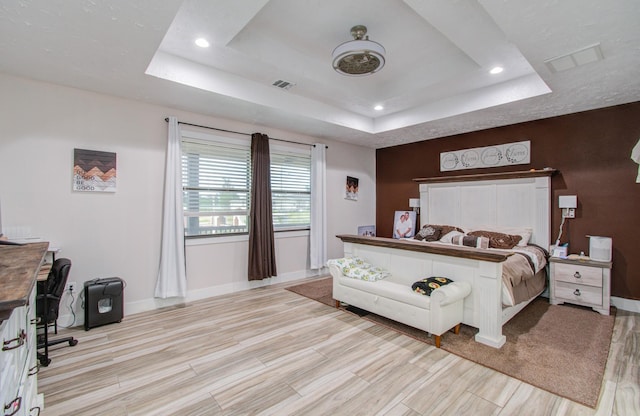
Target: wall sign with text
column 94, row 171
column 518, row 153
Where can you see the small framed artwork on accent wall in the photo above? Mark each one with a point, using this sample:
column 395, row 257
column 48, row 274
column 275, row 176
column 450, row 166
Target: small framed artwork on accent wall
column 351, row 190
column 404, row 224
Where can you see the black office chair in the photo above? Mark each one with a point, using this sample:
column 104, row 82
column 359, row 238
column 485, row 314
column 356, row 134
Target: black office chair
column 48, row 298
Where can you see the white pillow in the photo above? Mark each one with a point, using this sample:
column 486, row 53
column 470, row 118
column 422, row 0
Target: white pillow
column 447, row 238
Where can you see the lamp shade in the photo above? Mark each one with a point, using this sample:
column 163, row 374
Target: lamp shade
column 414, row 202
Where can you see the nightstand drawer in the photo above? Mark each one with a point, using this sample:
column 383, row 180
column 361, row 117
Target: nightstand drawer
column 579, row 274
column 578, row 293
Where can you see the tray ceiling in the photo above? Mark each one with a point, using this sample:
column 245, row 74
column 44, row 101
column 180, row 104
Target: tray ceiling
column 436, row 80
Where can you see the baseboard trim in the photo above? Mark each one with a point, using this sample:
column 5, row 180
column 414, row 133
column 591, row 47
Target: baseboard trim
column 629, row 305
column 218, row 290
column 150, row 304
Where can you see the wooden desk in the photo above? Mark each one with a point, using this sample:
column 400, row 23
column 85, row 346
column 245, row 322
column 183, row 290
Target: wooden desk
column 19, row 266
column 44, row 272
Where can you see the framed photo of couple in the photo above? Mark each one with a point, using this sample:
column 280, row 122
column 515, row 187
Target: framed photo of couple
column 404, row 224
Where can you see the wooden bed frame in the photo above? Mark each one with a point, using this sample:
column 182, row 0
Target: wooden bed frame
column 517, row 199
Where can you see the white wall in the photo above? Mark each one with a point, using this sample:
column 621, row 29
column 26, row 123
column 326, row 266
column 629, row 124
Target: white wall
column 118, row 234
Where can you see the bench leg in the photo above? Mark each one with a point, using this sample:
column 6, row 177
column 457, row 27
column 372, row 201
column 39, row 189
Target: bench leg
column 438, row 338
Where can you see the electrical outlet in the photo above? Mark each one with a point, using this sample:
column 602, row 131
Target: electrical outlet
column 71, row 287
column 568, row 212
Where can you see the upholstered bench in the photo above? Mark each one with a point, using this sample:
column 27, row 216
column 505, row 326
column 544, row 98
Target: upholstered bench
column 390, row 295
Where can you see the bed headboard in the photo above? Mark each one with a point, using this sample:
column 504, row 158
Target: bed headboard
column 516, row 199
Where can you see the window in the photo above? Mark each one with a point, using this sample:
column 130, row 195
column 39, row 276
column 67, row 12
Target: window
column 216, row 183
column 290, row 189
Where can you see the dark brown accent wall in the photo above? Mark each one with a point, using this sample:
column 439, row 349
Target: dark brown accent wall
column 591, row 150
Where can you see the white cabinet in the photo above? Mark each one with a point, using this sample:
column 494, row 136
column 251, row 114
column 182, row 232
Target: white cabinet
column 581, row 282
column 18, row 362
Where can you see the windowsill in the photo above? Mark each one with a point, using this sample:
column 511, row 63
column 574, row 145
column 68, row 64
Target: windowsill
column 241, row 238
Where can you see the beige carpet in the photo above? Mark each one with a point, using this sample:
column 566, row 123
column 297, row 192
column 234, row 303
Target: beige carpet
column 562, row 349
column 320, row 290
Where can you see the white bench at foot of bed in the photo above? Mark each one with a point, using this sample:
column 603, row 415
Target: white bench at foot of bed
column 393, row 298
column 482, row 269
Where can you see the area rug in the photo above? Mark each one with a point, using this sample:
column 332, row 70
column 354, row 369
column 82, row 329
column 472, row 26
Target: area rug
column 562, row 349
column 320, row 290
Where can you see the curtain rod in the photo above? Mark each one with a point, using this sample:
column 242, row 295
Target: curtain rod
column 244, row 134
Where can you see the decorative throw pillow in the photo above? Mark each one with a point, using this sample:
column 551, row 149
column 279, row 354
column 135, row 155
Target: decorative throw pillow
column 524, row 232
column 442, row 230
column 357, row 268
column 446, row 229
column 470, row 241
column 428, row 233
column 498, row 240
column 447, row 238
column 370, row 274
column 347, row 263
column 429, row 284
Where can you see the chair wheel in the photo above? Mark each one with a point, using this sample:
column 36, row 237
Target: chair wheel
column 73, row 342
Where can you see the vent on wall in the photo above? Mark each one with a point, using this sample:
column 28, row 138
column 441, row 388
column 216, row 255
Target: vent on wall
column 582, row 56
column 284, row 85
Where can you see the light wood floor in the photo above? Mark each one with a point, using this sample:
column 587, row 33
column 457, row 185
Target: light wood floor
column 269, row 351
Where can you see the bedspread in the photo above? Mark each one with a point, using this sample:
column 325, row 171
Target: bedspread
column 523, row 274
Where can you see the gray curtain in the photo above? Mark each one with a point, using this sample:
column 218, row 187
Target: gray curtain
column 262, row 255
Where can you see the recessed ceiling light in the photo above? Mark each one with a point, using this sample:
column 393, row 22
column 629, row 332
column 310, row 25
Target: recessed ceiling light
column 496, row 70
column 378, row 107
column 202, row 42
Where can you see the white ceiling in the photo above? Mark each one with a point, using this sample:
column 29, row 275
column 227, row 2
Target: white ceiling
column 435, row 82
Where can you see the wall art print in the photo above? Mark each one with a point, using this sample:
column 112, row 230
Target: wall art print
column 94, row 171
column 367, row 230
column 351, row 188
column 518, row 153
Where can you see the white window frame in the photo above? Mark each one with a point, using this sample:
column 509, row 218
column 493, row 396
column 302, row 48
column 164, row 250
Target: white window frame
column 294, row 150
column 282, row 232
column 219, row 140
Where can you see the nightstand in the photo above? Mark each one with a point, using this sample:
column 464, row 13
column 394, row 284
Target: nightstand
column 581, row 282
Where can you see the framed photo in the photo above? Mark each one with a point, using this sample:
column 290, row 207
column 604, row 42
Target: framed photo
column 404, row 224
column 367, row 230
column 351, row 188
column 94, row 171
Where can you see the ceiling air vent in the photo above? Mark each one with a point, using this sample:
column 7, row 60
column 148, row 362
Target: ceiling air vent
column 283, row 85
column 582, row 56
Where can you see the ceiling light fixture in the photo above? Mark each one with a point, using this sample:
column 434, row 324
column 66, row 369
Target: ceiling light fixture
column 496, row 70
column 202, row 42
column 378, row 107
column 359, row 56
